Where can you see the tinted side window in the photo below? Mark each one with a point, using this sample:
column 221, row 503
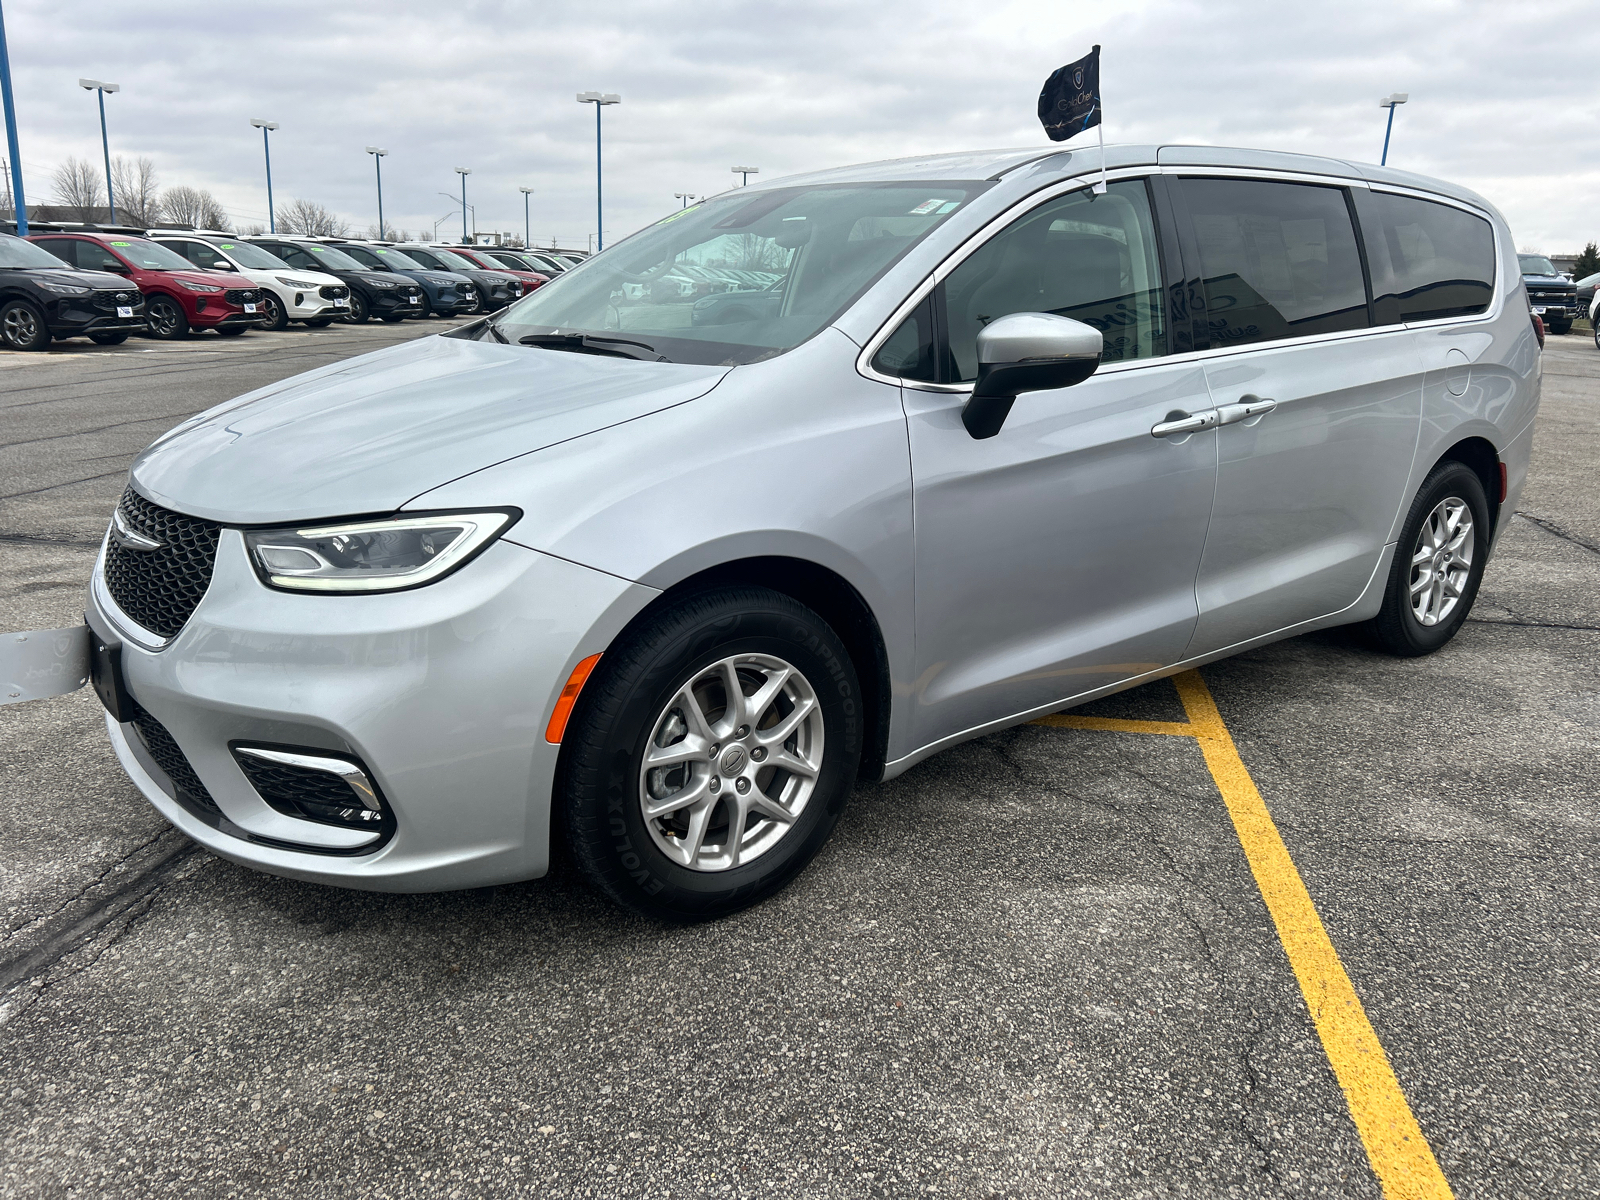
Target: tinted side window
column 295, row 256
column 62, row 248
column 427, row 260
column 1279, row 260
column 364, row 256
column 909, row 351
column 1093, row 258
column 92, row 256
column 201, row 255
column 1428, row 260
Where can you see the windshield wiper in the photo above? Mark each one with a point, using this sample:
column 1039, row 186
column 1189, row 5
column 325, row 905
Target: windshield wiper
column 498, row 336
column 593, row 343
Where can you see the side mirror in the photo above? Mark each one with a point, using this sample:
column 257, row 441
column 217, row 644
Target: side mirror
column 1027, row 352
column 223, row 264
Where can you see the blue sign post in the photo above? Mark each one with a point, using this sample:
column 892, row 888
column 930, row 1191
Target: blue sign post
column 11, row 131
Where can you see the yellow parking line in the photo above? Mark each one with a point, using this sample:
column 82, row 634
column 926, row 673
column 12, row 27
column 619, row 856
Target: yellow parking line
column 1398, row 1151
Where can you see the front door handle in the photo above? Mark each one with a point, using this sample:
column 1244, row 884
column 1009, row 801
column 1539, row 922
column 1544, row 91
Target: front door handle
column 1179, row 423
column 1248, row 406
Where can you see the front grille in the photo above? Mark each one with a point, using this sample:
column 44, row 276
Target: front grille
column 330, row 292
column 111, row 301
column 173, row 761
column 312, row 795
column 160, row 588
column 241, row 295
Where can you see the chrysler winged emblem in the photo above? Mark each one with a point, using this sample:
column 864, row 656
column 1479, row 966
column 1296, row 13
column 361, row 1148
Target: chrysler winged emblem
column 128, row 537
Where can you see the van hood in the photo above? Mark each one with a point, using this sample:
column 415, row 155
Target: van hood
column 368, row 434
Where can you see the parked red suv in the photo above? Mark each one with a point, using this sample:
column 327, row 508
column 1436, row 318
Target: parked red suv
column 178, row 296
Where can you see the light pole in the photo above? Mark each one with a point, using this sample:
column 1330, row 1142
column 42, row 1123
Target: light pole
column 684, row 196
column 1391, row 103
column 266, row 127
column 464, row 172
column 599, row 100
column 527, row 233
column 100, row 90
column 19, row 205
column 746, row 172
column 377, row 153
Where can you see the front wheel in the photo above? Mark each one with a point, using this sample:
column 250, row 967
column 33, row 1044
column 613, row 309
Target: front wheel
column 359, row 313
column 232, row 330
column 22, row 327
column 711, row 754
column 165, row 319
column 1560, row 327
column 1437, row 565
column 319, row 322
column 277, row 316
column 108, row 339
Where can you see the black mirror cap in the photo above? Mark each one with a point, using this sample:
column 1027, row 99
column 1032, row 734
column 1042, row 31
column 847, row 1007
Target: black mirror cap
column 999, row 384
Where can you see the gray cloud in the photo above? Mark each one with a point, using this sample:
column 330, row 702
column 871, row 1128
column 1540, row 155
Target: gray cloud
column 1504, row 97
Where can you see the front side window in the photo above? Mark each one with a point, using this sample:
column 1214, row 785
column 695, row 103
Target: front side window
column 364, row 256
column 1092, row 258
column 743, row 277
column 1428, row 260
column 201, row 255
column 1279, row 260
column 92, row 256
column 66, row 249
column 397, row 260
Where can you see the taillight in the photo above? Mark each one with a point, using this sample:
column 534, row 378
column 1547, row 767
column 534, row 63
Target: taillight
column 1538, row 328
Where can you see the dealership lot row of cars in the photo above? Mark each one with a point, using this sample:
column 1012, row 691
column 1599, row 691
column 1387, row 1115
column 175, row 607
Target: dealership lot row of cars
column 109, row 284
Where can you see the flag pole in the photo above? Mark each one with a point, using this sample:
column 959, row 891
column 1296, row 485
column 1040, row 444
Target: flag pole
column 1100, row 188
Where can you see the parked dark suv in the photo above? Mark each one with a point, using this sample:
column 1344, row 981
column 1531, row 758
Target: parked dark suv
column 496, row 289
column 42, row 297
column 1550, row 294
column 444, row 293
column 380, row 294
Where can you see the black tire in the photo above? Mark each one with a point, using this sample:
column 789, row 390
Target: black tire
column 108, row 339
column 277, row 315
column 427, row 308
column 165, row 319
column 1560, row 327
column 599, row 787
column 394, row 319
column 22, row 326
column 319, row 322
column 232, row 330
column 359, row 313
column 1397, row 628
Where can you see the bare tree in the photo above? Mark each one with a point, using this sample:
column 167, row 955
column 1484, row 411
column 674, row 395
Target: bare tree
column 303, row 216
column 78, row 186
column 253, row 230
column 387, row 234
column 135, row 190
column 193, row 207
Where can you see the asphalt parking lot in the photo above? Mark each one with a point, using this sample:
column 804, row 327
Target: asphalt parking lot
column 1039, row 964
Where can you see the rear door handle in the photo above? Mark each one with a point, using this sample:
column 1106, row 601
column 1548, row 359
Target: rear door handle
column 1248, row 406
column 1180, row 422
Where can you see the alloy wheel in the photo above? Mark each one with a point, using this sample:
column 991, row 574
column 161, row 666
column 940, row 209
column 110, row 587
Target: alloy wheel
column 165, row 318
column 21, row 326
column 1441, row 561
column 731, row 762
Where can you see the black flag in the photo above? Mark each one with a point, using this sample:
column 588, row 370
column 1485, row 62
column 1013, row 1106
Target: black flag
column 1070, row 102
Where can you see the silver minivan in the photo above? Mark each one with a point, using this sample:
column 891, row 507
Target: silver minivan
column 797, row 487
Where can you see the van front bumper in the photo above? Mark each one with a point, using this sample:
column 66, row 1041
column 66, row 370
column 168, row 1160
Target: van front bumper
column 443, row 693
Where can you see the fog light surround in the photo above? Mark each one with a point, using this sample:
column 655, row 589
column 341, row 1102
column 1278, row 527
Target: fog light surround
column 314, row 785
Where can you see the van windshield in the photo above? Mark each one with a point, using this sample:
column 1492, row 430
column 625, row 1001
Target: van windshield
column 737, row 279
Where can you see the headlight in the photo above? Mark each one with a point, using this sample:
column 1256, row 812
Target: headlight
column 65, row 289
column 406, row 551
column 197, row 287
column 382, row 283
column 294, row 283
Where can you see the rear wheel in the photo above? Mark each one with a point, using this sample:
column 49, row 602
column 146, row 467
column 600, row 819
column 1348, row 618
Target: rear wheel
column 1437, row 565
column 108, row 339
column 711, row 754
column 165, row 318
column 394, row 318
column 22, row 326
column 277, row 315
column 320, row 322
column 232, row 330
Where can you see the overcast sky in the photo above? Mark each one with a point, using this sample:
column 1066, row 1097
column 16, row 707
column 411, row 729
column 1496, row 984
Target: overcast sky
column 1505, row 98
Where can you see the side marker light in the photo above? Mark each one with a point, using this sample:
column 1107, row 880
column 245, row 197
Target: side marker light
column 569, row 696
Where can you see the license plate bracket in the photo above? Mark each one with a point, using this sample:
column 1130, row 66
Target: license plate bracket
column 105, row 676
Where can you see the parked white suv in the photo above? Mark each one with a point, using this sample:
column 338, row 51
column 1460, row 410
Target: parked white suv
column 287, row 293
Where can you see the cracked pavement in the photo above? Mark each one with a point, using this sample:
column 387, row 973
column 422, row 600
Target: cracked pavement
column 1036, row 965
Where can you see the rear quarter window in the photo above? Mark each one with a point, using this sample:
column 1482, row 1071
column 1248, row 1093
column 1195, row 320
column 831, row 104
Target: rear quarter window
column 1428, row 260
